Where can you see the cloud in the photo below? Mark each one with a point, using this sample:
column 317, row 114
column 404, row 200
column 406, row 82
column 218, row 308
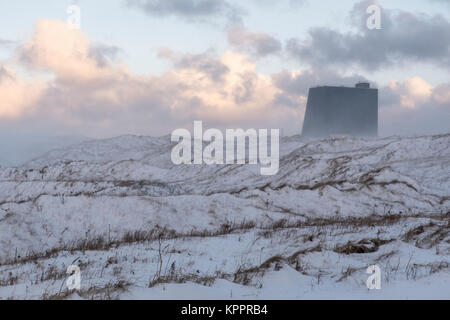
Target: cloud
column 413, row 106
column 18, row 96
column 299, row 81
column 404, row 38
column 404, row 112
column 6, row 43
column 441, row 94
column 290, row 4
column 205, row 63
column 69, row 54
column 294, row 85
column 415, row 93
column 411, row 92
column 297, row 3
column 258, row 44
column 104, row 54
column 92, row 92
column 410, row 106
column 190, row 10
column 441, row 1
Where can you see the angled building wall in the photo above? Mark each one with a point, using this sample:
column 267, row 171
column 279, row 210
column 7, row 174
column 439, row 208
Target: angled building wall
column 341, row 111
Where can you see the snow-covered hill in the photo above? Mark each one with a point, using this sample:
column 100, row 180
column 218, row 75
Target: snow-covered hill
column 336, row 206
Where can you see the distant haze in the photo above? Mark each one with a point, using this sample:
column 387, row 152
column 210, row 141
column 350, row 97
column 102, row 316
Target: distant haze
column 15, row 150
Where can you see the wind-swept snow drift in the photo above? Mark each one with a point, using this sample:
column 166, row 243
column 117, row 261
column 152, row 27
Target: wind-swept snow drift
column 113, row 191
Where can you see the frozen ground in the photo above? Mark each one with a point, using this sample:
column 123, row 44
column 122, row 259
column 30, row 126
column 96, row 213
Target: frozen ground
column 141, row 228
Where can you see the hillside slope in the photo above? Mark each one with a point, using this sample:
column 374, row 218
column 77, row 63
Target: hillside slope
column 335, row 204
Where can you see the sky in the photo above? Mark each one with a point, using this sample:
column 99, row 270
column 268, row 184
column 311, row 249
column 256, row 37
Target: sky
column 148, row 67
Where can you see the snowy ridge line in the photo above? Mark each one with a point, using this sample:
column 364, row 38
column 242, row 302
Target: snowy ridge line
column 322, row 261
column 99, row 242
column 360, row 201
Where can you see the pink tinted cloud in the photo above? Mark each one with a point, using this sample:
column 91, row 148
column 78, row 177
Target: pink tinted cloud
column 87, row 93
column 92, row 94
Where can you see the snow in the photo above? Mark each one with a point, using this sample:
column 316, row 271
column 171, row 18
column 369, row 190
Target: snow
column 288, row 284
column 390, row 196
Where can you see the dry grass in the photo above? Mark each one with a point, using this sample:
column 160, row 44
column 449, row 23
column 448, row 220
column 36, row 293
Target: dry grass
column 425, row 235
column 51, row 273
column 245, row 275
column 362, row 246
column 10, row 280
column 428, row 235
column 104, row 242
column 347, row 273
column 110, row 291
column 183, row 278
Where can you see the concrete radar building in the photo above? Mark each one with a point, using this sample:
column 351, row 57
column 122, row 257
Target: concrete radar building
column 341, row 111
